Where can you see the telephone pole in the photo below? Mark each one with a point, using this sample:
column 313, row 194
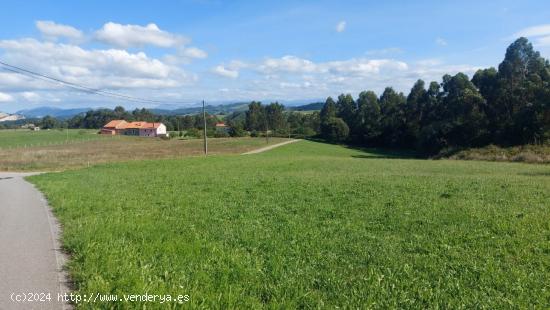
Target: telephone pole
column 204, row 134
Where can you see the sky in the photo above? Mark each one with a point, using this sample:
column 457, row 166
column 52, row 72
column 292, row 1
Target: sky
column 181, row 52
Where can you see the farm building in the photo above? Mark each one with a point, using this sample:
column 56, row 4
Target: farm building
column 222, row 127
column 142, row 129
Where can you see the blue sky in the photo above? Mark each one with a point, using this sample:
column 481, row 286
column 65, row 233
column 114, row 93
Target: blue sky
column 184, row 51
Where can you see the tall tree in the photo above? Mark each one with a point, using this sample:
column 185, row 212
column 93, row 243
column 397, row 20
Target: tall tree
column 328, row 110
column 370, row 116
column 255, row 117
column 413, row 113
column 463, row 112
column 346, row 108
column 392, row 106
column 275, row 117
column 522, row 77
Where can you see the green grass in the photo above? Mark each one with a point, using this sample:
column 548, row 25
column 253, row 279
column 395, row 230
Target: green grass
column 309, row 225
column 28, row 138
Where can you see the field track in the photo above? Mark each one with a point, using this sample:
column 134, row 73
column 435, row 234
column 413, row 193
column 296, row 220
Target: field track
column 267, row 148
column 30, row 261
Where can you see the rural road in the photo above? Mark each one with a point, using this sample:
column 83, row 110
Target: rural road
column 30, row 257
column 267, row 148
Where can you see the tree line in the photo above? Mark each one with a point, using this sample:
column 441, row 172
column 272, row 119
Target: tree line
column 255, row 122
column 508, row 106
column 505, row 106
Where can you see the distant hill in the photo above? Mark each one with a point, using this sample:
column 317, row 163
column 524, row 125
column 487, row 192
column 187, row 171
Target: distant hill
column 316, row 106
column 55, row 112
column 226, row 108
column 211, row 109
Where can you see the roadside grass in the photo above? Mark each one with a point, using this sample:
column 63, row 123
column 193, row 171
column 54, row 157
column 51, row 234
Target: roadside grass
column 308, row 225
column 118, row 148
column 539, row 154
column 27, row 138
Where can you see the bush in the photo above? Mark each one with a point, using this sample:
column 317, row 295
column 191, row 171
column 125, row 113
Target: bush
column 237, row 131
column 524, row 153
column 193, row 132
column 221, row 134
column 335, row 130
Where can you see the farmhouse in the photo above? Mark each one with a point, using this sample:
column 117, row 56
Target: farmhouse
column 139, row 128
column 222, row 127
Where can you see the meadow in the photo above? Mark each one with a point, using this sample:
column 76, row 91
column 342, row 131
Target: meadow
column 308, row 225
column 49, row 151
column 28, row 138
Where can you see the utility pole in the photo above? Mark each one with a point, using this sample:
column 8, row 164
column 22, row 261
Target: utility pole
column 204, row 134
column 266, row 133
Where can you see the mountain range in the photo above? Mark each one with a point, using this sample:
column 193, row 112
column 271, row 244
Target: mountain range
column 161, row 110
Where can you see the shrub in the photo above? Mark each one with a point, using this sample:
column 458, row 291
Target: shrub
column 335, row 130
column 221, row 134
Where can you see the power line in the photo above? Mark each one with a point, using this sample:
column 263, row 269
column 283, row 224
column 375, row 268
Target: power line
column 79, row 87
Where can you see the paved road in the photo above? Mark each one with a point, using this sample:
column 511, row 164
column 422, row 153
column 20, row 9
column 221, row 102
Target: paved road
column 267, row 148
column 30, row 259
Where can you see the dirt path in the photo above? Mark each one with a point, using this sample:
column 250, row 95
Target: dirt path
column 30, row 256
column 267, row 148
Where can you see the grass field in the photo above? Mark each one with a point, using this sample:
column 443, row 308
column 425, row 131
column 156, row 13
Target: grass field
column 28, row 138
column 309, row 225
column 114, row 149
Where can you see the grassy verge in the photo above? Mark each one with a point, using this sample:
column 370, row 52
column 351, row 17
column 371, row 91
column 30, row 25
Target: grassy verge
column 539, row 154
column 116, row 149
column 309, row 225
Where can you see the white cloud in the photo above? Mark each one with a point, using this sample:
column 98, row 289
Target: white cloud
column 291, row 77
column 111, row 68
column 194, row 52
column 225, row 72
column 30, row 96
column 354, row 66
column 287, row 63
column 535, row 31
column 441, row 42
column 134, row 36
column 341, row 26
column 541, row 33
column 5, row 97
column 363, row 67
column 52, row 30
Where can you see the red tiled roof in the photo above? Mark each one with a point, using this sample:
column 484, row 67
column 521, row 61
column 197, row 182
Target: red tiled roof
column 116, row 124
column 134, row 125
column 122, row 124
column 151, row 125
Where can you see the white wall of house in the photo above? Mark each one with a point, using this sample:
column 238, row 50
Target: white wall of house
column 161, row 130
